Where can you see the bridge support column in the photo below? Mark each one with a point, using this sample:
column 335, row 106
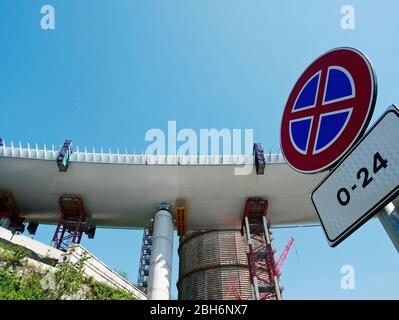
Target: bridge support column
column 160, row 277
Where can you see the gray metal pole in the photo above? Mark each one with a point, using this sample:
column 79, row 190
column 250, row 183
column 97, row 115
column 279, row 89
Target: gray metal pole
column 389, row 218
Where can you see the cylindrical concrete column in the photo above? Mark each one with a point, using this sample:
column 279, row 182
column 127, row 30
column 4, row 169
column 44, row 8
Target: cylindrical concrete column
column 213, row 266
column 160, row 277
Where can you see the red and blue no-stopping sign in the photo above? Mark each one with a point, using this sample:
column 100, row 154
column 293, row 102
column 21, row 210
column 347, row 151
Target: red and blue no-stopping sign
column 328, row 110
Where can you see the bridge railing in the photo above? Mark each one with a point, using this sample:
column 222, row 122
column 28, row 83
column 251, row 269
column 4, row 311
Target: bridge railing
column 45, row 153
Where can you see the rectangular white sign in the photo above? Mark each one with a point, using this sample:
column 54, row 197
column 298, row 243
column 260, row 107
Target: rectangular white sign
column 363, row 182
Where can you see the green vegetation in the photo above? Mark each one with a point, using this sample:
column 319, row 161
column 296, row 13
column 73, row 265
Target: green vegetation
column 68, row 282
column 143, row 290
column 100, row 291
column 14, row 287
column 22, row 253
column 12, row 256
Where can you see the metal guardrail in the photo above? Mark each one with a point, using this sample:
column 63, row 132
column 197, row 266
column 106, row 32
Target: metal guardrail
column 45, row 153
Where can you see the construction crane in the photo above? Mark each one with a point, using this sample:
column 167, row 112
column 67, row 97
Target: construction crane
column 283, row 256
column 234, row 289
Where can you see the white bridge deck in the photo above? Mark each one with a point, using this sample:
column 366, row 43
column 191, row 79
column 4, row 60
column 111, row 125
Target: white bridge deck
column 122, row 190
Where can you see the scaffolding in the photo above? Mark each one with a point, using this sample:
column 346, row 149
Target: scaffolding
column 145, row 257
column 263, row 269
column 70, row 226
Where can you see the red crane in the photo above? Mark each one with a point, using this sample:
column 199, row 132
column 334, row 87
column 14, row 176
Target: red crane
column 233, row 289
column 283, row 256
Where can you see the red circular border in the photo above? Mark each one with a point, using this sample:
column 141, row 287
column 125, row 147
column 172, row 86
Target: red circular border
column 363, row 106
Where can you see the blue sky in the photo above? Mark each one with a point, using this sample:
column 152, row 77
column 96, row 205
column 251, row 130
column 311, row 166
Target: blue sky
column 112, row 70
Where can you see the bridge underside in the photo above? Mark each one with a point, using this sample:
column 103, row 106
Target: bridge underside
column 126, row 193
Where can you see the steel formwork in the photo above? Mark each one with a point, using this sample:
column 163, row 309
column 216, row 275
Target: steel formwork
column 70, row 226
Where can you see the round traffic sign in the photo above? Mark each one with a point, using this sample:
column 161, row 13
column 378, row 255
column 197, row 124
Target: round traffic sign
column 328, row 109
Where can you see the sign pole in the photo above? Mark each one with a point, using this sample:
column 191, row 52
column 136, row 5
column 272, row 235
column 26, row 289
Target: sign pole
column 389, row 218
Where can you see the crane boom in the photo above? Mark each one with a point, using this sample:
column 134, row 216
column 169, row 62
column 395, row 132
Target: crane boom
column 284, row 255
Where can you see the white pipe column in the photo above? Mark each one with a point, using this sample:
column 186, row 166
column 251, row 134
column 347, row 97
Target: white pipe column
column 160, row 277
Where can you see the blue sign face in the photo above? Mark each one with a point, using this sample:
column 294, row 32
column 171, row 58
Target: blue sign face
column 339, row 87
